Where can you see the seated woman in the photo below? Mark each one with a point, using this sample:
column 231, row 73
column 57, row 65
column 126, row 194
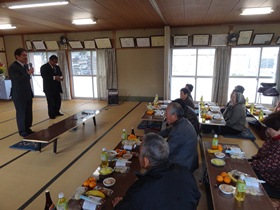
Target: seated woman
column 189, row 114
column 266, row 163
column 185, row 95
column 234, row 115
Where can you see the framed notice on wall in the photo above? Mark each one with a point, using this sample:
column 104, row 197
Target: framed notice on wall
column 127, row 42
column 143, row 42
column 52, row 45
column 264, row 39
column 89, row 44
column 157, row 41
column 201, row 39
column 75, row 44
column 219, row 40
column 28, row 45
column 244, row 37
column 181, row 40
column 103, row 43
column 39, row 45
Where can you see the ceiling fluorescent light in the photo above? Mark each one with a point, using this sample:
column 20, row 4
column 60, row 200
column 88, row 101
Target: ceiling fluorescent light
column 6, row 26
column 83, row 22
column 29, row 4
column 257, row 11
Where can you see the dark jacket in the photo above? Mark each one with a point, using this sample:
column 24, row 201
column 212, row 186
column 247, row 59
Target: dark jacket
column 164, row 187
column 182, row 140
column 189, row 102
column 21, row 87
column 49, row 84
column 190, row 114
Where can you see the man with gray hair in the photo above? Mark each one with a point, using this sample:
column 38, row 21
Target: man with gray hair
column 181, row 137
column 164, row 186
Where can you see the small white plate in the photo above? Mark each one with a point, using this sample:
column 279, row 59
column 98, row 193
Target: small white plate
column 219, row 154
column 227, row 189
column 127, row 156
column 108, row 182
column 218, row 162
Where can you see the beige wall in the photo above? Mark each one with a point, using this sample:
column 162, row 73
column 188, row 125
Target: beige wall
column 140, row 70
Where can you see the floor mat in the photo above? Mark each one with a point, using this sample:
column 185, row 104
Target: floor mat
column 246, row 134
column 24, row 145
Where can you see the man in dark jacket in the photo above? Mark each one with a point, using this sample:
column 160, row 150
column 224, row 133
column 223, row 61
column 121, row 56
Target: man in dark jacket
column 164, row 186
column 181, row 137
column 52, row 76
column 21, row 91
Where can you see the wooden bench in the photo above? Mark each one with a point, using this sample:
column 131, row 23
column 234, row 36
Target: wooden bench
column 51, row 134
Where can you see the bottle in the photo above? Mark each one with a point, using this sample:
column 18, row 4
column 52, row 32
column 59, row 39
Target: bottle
column 132, row 131
column 261, row 115
column 104, row 158
column 49, row 204
column 240, row 188
column 252, row 108
column 247, row 101
column 150, row 107
column 201, row 99
column 62, row 202
column 215, row 142
column 156, row 100
column 124, row 134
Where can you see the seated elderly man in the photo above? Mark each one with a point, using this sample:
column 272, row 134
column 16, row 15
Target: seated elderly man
column 164, row 186
column 266, row 163
column 181, row 137
column 189, row 114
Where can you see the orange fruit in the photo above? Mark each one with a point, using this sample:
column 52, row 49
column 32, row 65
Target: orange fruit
column 86, row 183
column 118, row 150
column 224, row 174
column 124, row 151
column 219, row 178
column 92, row 179
column 92, row 184
column 227, row 179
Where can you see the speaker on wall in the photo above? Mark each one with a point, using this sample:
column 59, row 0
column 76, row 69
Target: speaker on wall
column 113, row 97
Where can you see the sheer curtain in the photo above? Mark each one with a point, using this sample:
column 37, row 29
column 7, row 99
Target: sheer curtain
column 277, row 80
column 65, row 72
column 106, row 72
column 221, row 75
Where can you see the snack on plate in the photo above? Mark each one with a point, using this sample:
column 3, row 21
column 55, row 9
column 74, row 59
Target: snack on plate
column 227, row 189
column 218, row 162
column 106, row 170
column 108, row 182
column 105, row 190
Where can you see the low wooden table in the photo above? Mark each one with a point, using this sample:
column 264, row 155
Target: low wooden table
column 222, row 201
column 123, row 182
column 52, row 133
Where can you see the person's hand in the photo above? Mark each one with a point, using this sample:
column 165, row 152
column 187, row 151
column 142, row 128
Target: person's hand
column 58, row 78
column 31, row 71
column 116, row 201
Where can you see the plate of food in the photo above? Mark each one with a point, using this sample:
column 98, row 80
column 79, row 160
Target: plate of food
column 106, row 170
column 218, row 162
column 214, row 108
column 108, row 182
column 227, row 189
column 127, row 156
column 219, row 154
column 217, row 117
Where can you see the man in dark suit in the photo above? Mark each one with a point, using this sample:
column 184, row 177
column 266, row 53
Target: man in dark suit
column 52, row 77
column 21, row 91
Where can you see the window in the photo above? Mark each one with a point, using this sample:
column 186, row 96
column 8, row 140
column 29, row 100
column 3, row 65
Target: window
column 83, row 65
column 38, row 59
column 251, row 66
column 193, row 66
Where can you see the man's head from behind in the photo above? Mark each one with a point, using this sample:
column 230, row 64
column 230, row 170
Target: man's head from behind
column 174, row 112
column 272, row 123
column 239, row 89
column 154, row 151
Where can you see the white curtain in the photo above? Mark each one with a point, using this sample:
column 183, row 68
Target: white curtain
column 65, row 72
column 221, row 75
column 106, row 72
column 277, row 80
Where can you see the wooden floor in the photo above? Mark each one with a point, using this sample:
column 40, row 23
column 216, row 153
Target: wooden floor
column 25, row 175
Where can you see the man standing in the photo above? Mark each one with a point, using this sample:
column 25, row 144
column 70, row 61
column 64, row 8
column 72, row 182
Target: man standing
column 21, row 91
column 164, row 186
column 52, row 76
column 181, row 137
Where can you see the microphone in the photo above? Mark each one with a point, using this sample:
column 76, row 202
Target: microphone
column 30, row 65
